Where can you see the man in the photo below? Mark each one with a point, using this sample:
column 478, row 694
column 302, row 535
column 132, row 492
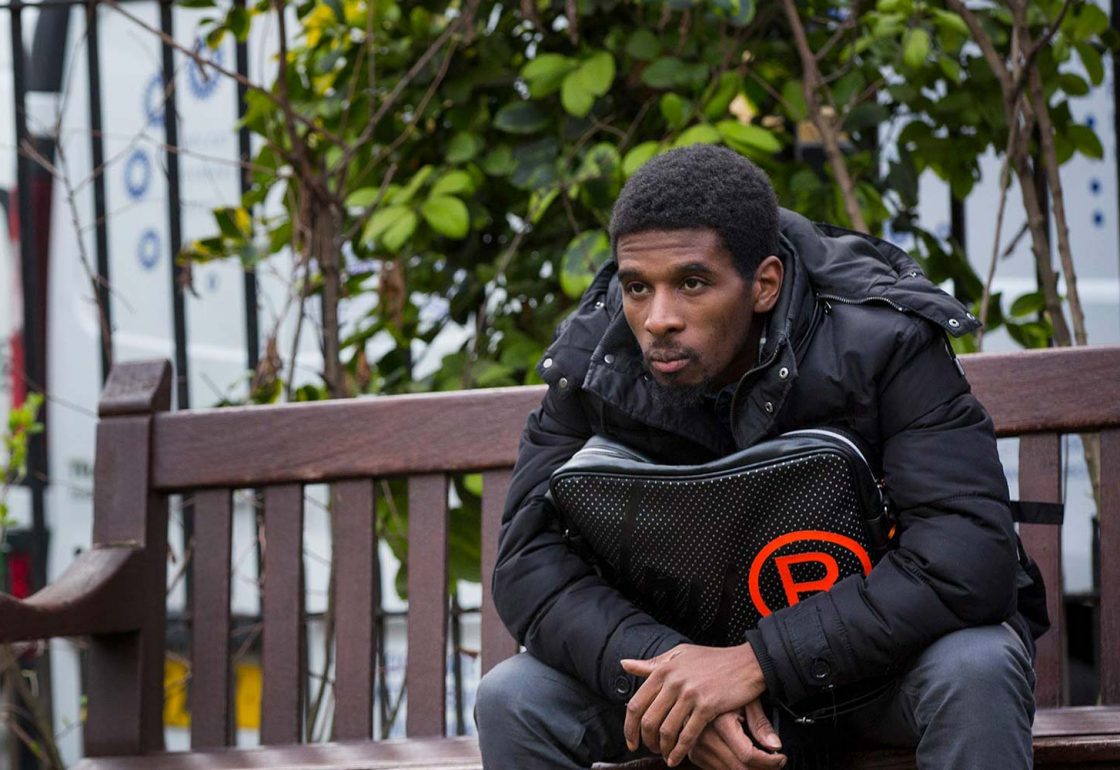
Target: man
column 723, row 321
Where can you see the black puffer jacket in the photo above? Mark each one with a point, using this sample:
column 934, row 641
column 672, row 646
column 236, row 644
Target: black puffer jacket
column 856, row 341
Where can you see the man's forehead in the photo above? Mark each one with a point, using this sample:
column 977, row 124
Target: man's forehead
column 649, row 246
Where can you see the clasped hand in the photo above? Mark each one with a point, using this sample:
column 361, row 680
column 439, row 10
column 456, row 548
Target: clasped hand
column 690, row 706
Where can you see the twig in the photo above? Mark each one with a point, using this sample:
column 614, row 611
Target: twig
column 825, row 127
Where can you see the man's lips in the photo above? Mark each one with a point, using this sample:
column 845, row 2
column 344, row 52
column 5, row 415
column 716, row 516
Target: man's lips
column 668, row 364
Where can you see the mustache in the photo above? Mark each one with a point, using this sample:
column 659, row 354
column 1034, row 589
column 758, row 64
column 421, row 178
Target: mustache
column 669, row 352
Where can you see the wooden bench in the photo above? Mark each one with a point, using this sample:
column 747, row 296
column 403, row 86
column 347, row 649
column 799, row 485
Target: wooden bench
column 114, row 594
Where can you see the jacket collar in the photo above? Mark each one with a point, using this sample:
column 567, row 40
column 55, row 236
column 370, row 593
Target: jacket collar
column 821, row 262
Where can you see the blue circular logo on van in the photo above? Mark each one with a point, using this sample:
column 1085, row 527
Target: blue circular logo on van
column 137, row 174
column 154, row 100
column 203, row 80
column 148, row 251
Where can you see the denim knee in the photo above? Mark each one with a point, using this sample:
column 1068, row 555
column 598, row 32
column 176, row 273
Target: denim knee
column 984, row 666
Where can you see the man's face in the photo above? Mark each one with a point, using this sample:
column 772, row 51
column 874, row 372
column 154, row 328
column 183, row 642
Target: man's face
column 689, row 307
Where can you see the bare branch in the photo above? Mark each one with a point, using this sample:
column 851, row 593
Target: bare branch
column 825, row 126
column 232, row 74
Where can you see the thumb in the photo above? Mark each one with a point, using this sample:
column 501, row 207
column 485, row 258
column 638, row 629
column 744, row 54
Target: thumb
column 760, row 727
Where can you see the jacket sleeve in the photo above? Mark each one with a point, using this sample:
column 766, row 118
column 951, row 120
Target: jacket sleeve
column 955, row 565
column 549, row 597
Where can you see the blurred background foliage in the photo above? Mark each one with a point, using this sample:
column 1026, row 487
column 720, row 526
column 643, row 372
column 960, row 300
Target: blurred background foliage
column 451, row 164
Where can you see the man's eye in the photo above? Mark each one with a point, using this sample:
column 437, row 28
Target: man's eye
column 692, row 284
column 636, row 289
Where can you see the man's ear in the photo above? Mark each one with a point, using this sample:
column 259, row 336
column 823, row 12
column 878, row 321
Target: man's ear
column 768, row 284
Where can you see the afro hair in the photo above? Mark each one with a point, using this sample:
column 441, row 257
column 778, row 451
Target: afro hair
column 702, row 187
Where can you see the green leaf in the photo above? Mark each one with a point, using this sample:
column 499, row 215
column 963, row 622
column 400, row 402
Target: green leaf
column 1085, row 140
column 637, row 157
column 793, row 95
column 462, row 147
column 473, row 483
column 196, row 4
column 596, row 73
column 1091, row 58
column 539, row 202
column 701, row 133
column 545, row 73
column 521, row 118
column 452, row 183
column 237, row 20
column 1074, row 85
column 414, row 184
column 748, row 139
column 715, row 105
column 1032, row 334
column 675, row 110
column 447, row 215
column 1091, row 21
column 915, row 47
column 600, row 161
column 499, row 161
column 663, row 73
column 901, row 7
column 391, row 226
column 950, row 21
column 586, row 253
column 1028, row 304
column 577, row 99
column 950, row 67
column 643, row 45
column 361, row 198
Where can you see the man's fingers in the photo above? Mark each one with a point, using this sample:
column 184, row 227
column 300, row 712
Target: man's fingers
column 638, row 667
column 635, row 710
column 653, row 718
column 729, row 728
column 759, row 726
column 671, row 728
column 687, row 738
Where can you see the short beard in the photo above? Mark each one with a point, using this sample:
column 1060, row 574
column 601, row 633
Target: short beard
column 678, row 397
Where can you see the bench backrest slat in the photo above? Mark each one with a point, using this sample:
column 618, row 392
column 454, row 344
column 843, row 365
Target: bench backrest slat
column 282, row 609
column 211, row 723
column 1109, row 518
column 355, row 438
column 357, row 603
column 497, row 644
column 425, row 671
column 1040, row 480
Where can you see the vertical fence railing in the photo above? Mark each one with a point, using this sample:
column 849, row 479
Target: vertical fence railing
column 97, row 154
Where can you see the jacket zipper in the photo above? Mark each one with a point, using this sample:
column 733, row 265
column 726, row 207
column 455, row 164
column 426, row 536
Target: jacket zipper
column 864, row 301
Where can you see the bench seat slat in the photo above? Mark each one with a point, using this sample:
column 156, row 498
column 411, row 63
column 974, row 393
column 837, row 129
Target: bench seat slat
column 427, row 605
column 357, row 604
column 1040, row 480
column 211, row 725
column 282, row 695
column 497, row 644
column 1110, row 566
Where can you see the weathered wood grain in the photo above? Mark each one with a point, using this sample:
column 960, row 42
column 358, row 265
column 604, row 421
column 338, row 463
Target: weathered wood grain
column 425, row 672
column 356, row 607
column 1040, row 479
column 210, row 687
column 282, row 659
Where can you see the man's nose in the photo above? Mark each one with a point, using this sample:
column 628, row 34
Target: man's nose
column 664, row 316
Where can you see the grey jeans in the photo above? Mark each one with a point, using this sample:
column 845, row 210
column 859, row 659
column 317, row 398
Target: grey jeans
column 966, row 702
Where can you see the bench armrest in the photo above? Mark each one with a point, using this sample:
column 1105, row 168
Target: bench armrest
column 100, row 593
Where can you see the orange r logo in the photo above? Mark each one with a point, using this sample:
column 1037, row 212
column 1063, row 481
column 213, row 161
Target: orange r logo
column 796, row 589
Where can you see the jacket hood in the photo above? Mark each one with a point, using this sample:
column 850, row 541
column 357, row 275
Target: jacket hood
column 847, row 266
